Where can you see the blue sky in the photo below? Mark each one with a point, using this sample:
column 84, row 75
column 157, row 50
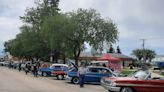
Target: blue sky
column 135, row 19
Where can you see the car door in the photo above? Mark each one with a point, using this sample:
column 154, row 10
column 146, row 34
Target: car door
column 153, row 85
column 92, row 75
column 104, row 72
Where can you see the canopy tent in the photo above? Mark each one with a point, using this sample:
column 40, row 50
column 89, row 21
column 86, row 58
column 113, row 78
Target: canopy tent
column 114, row 63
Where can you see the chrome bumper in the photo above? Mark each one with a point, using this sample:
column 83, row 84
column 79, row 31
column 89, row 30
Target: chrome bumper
column 111, row 88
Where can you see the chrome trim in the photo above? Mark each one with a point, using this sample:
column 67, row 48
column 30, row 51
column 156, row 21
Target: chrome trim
column 110, row 88
column 139, row 85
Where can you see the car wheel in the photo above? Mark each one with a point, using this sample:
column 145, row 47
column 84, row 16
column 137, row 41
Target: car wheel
column 126, row 89
column 75, row 80
column 44, row 74
column 60, row 77
column 110, row 91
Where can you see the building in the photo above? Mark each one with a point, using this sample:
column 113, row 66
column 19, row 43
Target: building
column 158, row 58
column 115, row 61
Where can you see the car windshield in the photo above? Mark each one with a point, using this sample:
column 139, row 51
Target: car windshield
column 141, row 74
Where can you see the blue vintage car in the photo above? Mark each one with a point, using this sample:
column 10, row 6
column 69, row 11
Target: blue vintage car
column 53, row 67
column 93, row 74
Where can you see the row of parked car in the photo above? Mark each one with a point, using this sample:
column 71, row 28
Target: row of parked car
column 139, row 81
column 62, row 71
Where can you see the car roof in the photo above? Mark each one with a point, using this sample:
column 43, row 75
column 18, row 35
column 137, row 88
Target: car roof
column 98, row 67
column 99, row 61
column 59, row 65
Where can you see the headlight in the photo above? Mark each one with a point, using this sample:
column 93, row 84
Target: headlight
column 107, row 82
column 102, row 80
column 112, row 83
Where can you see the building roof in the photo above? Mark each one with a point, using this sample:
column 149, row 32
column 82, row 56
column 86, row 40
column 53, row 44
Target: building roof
column 121, row 56
column 89, row 56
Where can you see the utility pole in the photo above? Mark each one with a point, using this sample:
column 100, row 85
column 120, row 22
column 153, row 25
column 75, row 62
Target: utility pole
column 143, row 44
column 143, row 47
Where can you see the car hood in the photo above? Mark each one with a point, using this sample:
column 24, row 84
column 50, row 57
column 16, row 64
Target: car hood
column 119, row 78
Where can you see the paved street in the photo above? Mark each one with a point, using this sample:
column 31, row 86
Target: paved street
column 15, row 81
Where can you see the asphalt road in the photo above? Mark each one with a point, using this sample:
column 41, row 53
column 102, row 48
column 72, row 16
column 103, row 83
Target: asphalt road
column 15, row 81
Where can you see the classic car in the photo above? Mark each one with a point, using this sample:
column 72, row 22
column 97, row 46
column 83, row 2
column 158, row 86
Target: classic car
column 139, row 81
column 59, row 74
column 54, row 67
column 93, row 74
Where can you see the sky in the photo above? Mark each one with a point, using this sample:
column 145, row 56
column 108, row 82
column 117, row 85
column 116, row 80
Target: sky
column 135, row 20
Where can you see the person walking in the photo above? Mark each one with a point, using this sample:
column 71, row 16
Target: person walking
column 81, row 74
column 35, row 70
column 19, row 66
column 26, row 68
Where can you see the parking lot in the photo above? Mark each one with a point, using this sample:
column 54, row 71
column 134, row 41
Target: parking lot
column 12, row 80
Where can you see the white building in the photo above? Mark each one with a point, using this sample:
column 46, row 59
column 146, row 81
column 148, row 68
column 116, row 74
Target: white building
column 158, row 58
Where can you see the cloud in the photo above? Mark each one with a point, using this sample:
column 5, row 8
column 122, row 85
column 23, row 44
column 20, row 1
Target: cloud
column 10, row 10
column 135, row 19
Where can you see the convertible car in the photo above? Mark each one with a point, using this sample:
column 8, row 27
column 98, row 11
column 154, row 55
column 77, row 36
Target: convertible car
column 139, row 81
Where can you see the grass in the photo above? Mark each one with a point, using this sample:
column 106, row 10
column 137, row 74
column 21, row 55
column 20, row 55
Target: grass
column 127, row 71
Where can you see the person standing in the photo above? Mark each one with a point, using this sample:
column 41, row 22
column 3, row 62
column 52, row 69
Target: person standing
column 81, row 74
column 35, row 70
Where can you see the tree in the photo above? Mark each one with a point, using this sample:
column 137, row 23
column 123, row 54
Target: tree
column 144, row 53
column 36, row 16
column 92, row 29
column 150, row 54
column 56, row 31
column 33, row 45
column 28, row 44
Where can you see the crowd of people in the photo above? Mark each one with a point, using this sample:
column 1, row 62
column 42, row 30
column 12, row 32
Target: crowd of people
column 28, row 67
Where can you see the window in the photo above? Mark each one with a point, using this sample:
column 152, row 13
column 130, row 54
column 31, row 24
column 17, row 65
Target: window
column 94, row 70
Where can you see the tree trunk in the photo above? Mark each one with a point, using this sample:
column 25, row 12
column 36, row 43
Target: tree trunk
column 76, row 55
column 64, row 58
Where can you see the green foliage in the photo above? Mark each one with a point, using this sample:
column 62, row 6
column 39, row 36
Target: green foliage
column 144, row 53
column 29, row 43
column 91, row 28
column 56, row 31
column 36, row 16
column 48, row 31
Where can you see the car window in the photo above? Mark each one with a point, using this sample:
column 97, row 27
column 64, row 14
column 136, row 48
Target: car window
column 57, row 66
column 94, row 70
column 103, row 70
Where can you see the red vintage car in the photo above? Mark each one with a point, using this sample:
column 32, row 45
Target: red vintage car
column 139, row 81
